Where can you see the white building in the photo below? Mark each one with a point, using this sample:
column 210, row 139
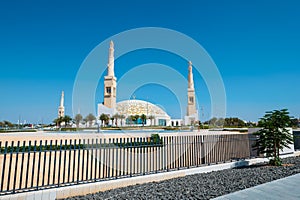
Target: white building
column 155, row 115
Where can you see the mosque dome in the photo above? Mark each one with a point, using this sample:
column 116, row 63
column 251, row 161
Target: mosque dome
column 139, row 107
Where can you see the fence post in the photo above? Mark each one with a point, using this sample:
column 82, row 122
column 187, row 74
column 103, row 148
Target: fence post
column 33, row 163
column 10, row 162
column 39, row 166
column 44, row 165
column 22, row 164
column 100, row 158
column 83, row 158
column 92, row 158
column 78, row 160
column 4, row 164
column 16, row 167
column 74, row 161
column 96, row 159
column 50, row 161
column 104, row 165
column 69, row 163
column 130, row 168
column 112, row 147
column 59, row 163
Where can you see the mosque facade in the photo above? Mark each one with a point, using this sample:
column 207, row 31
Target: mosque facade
column 155, row 115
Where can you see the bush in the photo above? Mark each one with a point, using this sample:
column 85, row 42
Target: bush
column 68, row 129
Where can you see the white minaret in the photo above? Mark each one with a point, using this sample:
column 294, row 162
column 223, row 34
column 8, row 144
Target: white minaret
column 110, row 81
column 191, row 108
column 61, row 108
column 111, row 60
column 191, row 112
column 190, row 77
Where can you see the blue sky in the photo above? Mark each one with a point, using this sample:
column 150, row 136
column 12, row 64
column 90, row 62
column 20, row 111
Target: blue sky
column 255, row 45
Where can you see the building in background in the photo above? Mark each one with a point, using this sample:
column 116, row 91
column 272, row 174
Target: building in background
column 129, row 108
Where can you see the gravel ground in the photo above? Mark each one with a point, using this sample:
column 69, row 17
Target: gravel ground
column 203, row 186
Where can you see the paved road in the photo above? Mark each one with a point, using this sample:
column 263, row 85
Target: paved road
column 286, row 188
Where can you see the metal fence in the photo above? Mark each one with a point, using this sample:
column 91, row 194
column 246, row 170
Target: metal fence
column 296, row 136
column 44, row 164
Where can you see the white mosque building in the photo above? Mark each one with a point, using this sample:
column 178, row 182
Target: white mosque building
column 138, row 107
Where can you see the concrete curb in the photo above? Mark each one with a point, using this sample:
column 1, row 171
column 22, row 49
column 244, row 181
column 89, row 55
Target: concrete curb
column 89, row 188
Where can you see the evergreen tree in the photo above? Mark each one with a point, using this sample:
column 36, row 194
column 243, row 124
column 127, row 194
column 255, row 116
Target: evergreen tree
column 274, row 135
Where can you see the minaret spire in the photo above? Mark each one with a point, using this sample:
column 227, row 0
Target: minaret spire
column 110, row 81
column 62, row 99
column 61, row 108
column 190, row 76
column 111, row 60
column 191, row 113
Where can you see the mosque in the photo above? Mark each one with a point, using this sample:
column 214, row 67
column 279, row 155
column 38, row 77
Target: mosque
column 156, row 115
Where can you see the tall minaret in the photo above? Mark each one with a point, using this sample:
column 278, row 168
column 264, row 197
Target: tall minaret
column 191, row 108
column 111, row 60
column 61, row 108
column 110, row 81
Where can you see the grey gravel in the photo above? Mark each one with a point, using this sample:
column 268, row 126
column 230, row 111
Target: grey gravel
column 202, row 186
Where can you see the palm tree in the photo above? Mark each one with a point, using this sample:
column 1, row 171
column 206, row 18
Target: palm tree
column 78, row 118
column 104, row 118
column 112, row 120
column 90, row 118
column 143, row 118
column 58, row 121
column 151, row 117
column 67, row 120
column 85, row 121
column 122, row 117
column 116, row 116
column 8, row 123
column 131, row 119
column 136, row 118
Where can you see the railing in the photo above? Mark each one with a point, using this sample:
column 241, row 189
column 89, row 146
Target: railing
column 296, row 136
column 44, row 164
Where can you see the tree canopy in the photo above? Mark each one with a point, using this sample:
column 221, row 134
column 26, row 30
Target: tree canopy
column 78, row 118
column 233, row 122
column 104, row 118
column 143, row 118
column 274, row 135
column 90, row 118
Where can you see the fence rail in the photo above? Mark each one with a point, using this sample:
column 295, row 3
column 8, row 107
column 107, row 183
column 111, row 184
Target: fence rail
column 53, row 163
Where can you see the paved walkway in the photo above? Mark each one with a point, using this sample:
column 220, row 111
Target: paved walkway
column 285, row 188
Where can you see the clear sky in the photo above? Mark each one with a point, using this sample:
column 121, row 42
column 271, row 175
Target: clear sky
column 255, row 45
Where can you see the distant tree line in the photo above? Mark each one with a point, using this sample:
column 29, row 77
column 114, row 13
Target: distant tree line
column 104, row 118
column 6, row 124
column 131, row 119
column 233, row 122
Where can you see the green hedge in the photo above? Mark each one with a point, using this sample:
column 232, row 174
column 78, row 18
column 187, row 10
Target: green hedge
column 154, row 140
